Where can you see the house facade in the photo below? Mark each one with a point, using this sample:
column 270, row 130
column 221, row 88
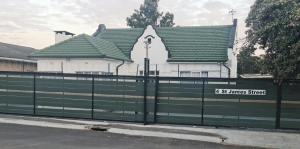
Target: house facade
column 198, row 51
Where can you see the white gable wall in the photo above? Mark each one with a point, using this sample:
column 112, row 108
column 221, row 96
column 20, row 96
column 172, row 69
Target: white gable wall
column 157, row 51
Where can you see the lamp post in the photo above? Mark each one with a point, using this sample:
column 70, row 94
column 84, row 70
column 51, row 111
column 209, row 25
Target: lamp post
column 146, row 60
column 146, row 75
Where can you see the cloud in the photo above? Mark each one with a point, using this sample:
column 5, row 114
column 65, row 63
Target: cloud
column 31, row 22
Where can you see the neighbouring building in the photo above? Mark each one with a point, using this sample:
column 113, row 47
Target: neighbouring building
column 16, row 58
column 193, row 51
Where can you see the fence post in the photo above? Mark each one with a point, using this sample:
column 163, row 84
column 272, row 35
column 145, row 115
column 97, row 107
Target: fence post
column 34, row 93
column 202, row 104
column 156, row 98
column 278, row 105
column 146, row 74
column 93, row 95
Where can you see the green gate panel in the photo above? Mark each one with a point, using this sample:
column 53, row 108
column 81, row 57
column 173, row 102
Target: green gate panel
column 180, row 102
column 119, row 116
column 16, row 83
column 267, row 123
column 189, row 120
column 63, row 112
column 221, row 120
column 19, row 109
column 290, row 107
column 176, row 108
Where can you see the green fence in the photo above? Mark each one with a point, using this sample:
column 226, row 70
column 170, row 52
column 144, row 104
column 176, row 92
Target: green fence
column 257, row 103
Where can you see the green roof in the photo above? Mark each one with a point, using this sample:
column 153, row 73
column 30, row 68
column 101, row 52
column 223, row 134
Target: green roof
column 197, row 44
column 184, row 44
column 124, row 39
column 83, row 46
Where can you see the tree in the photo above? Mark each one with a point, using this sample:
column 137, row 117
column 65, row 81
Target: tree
column 249, row 64
column 167, row 20
column 274, row 26
column 148, row 14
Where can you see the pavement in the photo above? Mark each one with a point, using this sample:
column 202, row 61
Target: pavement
column 36, row 130
column 31, row 137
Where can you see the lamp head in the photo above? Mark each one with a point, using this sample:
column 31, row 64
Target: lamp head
column 149, row 40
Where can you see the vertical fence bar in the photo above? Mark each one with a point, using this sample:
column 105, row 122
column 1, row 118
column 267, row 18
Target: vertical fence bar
column 6, row 93
column 145, row 99
column 202, row 104
column 93, row 95
column 278, row 105
column 156, row 98
column 146, row 74
column 63, row 92
column 34, row 93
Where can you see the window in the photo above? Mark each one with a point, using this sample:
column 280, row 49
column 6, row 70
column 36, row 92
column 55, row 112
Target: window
column 204, row 74
column 157, row 73
column 152, row 73
column 107, row 73
column 95, row 73
column 185, row 74
column 196, row 74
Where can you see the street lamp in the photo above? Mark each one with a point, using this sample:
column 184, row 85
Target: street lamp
column 147, row 42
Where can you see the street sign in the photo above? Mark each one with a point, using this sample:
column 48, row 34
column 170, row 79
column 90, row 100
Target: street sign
column 248, row 92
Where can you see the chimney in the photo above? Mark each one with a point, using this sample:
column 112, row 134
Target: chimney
column 61, row 36
column 101, row 29
column 235, row 21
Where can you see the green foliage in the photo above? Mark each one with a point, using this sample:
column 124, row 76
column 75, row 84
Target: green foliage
column 274, row 26
column 148, row 14
column 167, row 20
column 248, row 64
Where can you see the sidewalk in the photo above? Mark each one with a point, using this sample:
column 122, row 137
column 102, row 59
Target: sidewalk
column 254, row 138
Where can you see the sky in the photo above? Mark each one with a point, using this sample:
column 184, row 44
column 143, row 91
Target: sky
column 32, row 22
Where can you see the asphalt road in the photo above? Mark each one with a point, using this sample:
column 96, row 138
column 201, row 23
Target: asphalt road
column 29, row 137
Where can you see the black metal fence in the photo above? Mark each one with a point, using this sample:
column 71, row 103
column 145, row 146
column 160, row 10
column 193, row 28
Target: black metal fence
column 258, row 103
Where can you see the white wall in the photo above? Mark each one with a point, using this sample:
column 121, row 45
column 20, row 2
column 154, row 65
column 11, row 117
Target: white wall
column 232, row 63
column 76, row 65
column 157, row 51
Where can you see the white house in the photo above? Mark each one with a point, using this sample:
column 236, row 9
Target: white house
column 195, row 51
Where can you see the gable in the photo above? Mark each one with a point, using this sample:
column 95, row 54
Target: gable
column 157, row 52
